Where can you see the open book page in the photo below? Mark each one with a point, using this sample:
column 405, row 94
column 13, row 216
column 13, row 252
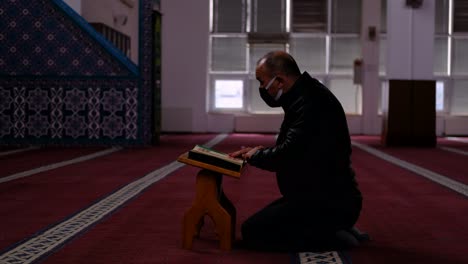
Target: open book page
column 217, row 154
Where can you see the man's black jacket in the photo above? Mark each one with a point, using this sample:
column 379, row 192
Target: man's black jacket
column 311, row 157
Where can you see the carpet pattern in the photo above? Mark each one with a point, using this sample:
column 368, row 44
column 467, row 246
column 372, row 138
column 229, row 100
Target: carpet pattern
column 148, row 230
column 329, row 257
column 15, row 151
column 62, row 192
column 411, row 219
column 431, row 175
column 42, row 244
column 58, row 165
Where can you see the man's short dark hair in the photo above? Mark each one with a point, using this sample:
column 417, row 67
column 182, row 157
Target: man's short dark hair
column 279, row 61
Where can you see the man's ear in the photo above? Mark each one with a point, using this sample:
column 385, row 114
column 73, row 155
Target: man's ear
column 279, row 79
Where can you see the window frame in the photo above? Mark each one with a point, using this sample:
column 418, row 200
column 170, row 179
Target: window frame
column 248, row 74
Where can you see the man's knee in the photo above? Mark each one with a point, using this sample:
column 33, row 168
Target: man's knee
column 248, row 229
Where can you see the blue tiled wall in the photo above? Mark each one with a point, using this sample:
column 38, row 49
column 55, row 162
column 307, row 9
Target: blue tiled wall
column 63, row 83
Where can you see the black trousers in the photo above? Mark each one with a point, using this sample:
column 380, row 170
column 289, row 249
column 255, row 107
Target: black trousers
column 286, row 226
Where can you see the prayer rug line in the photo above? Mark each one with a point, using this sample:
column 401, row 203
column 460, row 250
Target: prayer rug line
column 15, row 151
column 58, row 164
column 454, row 150
column 49, row 240
column 438, row 178
column 464, row 140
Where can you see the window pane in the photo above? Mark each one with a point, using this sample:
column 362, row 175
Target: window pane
column 383, row 16
column 268, row 16
column 229, row 16
column 228, row 54
column 258, row 50
column 257, row 105
column 346, row 16
column 383, row 55
column 348, row 94
column 441, row 16
column 309, row 16
column 229, row 93
column 460, row 18
column 344, row 50
column 309, row 52
column 460, row 56
column 459, row 104
column 440, row 55
column 439, row 96
column 383, row 102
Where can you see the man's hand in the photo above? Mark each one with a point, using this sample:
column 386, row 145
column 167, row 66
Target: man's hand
column 245, row 152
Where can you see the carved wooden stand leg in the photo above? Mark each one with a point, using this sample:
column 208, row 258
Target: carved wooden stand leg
column 210, row 200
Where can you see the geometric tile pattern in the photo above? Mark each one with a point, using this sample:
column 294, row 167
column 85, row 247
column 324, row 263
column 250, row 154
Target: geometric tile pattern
column 62, row 83
column 39, row 39
column 327, row 257
column 58, row 109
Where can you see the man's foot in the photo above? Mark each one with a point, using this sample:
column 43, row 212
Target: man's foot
column 360, row 236
column 346, row 239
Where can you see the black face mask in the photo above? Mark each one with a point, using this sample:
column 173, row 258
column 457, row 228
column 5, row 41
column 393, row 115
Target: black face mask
column 270, row 101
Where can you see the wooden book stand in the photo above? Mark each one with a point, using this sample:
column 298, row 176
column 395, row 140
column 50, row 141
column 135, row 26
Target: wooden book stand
column 209, row 200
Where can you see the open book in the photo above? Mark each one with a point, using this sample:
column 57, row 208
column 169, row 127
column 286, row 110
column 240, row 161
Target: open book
column 219, row 159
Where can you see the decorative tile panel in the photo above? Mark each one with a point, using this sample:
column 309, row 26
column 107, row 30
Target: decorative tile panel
column 63, row 83
column 80, row 109
column 39, row 39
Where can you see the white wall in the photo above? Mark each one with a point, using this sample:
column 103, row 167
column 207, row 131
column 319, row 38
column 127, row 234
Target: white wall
column 455, row 126
column 185, row 31
column 75, row 4
column 104, row 11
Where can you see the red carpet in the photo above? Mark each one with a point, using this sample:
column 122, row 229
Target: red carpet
column 449, row 164
column 9, row 148
column 409, row 218
column 148, row 230
column 34, row 203
column 28, row 160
